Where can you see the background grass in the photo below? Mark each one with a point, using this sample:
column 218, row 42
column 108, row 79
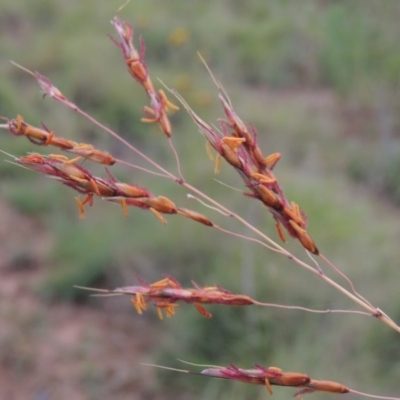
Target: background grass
column 319, row 81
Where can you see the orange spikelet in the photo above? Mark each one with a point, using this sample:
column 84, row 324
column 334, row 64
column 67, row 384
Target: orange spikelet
column 293, row 212
column 195, row 216
column 258, row 157
column 268, row 197
column 139, row 72
column 292, row 379
column 262, row 178
column 328, row 386
column 132, row 191
column 231, row 156
column 271, row 160
column 304, row 238
column 161, row 204
column 323, row 386
column 88, row 151
column 38, row 136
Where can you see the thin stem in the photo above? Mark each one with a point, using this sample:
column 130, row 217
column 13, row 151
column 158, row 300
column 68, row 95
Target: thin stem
column 128, row 164
column 244, row 237
column 203, row 203
column 123, row 141
column 312, row 310
column 343, row 275
column 178, row 163
column 373, row 396
column 374, row 311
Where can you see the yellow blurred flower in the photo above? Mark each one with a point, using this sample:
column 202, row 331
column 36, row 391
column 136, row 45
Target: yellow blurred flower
column 183, row 82
column 178, row 37
column 202, row 99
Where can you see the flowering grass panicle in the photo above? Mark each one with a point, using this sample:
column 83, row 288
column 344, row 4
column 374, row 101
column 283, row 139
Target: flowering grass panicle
column 268, row 377
column 236, row 143
column 45, row 137
column 164, row 294
column 70, row 173
column 134, row 59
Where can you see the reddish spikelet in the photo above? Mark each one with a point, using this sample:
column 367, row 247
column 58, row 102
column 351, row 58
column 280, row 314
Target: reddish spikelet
column 240, row 130
column 238, row 146
column 159, row 104
column 57, row 166
column 133, row 58
column 158, row 204
column 294, row 213
column 208, row 295
column 252, row 376
column 166, row 293
column 130, row 190
column 48, row 88
column 89, row 152
column 268, row 197
column 80, row 179
column 67, row 172
column 45, row 137
column 231, row 152
column 136, row 196
column 323, row 386
column 304, row 238
column 271, row 376
column 259, row 376
column 195, row 216
column 41, row 137
column 234, row 122
column 226, row 147
column 161, row 204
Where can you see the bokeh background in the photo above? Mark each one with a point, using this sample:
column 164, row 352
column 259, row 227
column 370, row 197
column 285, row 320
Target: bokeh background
column 318, row 79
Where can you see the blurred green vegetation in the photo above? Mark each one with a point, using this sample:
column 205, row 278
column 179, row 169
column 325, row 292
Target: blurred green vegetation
column 303, row 73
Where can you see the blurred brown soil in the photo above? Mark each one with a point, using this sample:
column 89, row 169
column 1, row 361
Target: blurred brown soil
column 60, row 350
